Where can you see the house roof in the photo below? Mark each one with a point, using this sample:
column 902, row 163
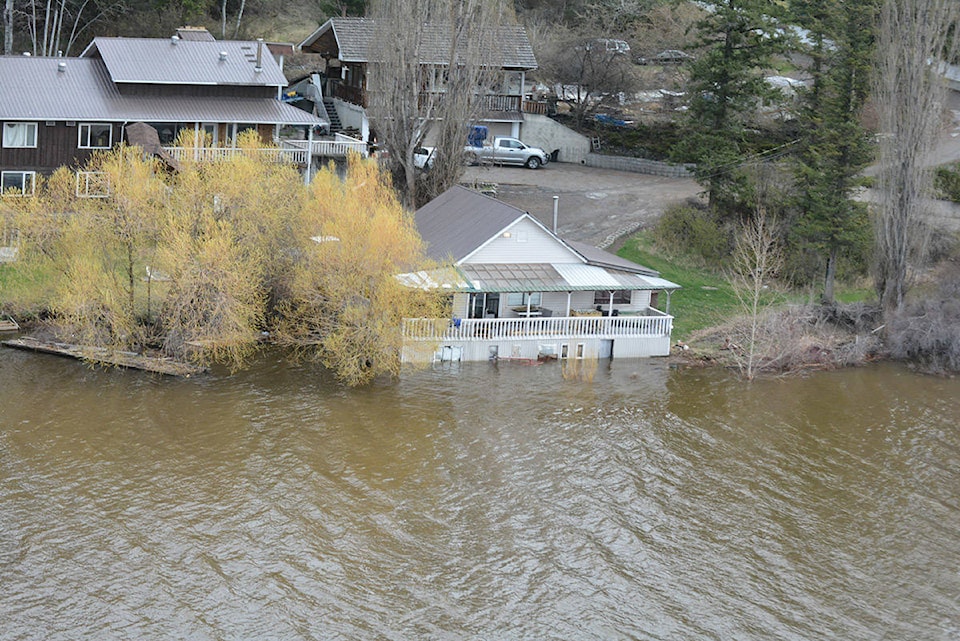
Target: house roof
column 186, row 62
column 353, row 37
column 35, row 89
column 459, row 221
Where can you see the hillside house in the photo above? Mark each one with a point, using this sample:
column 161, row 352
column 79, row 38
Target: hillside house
column 345, row 46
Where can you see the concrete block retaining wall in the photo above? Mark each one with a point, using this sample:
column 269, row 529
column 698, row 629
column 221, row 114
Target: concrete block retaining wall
column 638, row 165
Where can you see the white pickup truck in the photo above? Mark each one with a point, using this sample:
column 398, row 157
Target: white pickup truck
column 507, row 151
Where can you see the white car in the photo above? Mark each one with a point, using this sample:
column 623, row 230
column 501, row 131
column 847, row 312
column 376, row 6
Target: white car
column 423, row 157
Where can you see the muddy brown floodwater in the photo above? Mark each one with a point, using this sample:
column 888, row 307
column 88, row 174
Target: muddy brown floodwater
column 477, row 502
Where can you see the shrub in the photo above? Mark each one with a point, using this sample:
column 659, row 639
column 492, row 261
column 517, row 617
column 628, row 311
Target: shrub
column 693, row 231
column 947, row 182
column 927, row 331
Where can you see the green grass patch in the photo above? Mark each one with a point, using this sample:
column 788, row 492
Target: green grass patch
column 706, row 298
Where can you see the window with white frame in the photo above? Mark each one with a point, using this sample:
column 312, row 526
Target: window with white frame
column 17, row 183
column 517, row 299
column 620, row 297
column 95, row 135
column 19, row 134
column 92, row 184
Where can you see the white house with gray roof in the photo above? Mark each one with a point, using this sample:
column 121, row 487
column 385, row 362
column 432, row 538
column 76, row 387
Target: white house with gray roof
column 519, row 291
column 58, row 111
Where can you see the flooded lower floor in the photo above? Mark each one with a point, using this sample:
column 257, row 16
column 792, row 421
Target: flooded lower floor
column 619, row 500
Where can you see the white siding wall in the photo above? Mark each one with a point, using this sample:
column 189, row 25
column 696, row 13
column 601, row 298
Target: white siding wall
column 528, row 243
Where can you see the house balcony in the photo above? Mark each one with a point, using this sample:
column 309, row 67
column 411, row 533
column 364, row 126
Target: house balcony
column 336, row 146
column 474, row 339
column 652, row 323
column 292, row 155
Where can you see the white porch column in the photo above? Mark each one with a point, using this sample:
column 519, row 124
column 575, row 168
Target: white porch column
column 515, row 130
column 306, row 175
column 568, row 304
column 610, row 307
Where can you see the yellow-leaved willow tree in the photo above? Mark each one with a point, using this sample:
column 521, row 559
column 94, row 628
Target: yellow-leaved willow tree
column 346, row 306
column 201, row 262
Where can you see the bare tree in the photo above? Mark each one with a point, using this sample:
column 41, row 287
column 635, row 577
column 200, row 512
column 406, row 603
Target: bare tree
column 914, row 37
column 756, row 259
column 586, row 69
column 430, row 63
column 8, row 28
column 57, row 25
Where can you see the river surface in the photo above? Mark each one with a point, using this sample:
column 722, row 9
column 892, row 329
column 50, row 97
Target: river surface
column 634, row 501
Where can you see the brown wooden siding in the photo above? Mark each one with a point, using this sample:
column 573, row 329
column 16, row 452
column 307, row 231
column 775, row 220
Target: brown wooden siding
column 203, row 91
column 56, row 147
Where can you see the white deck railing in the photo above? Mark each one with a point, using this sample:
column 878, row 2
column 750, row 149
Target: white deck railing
column 339, row 147
column 485, row 329
column 211, row 154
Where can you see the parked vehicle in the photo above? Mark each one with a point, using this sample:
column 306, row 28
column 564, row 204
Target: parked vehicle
column 668, row 57
column 507, row 151
column 423, row 157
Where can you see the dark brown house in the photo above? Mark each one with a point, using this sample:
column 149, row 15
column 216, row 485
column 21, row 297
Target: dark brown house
column 58, row 111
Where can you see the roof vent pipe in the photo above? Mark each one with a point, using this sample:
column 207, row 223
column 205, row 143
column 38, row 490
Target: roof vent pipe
column 556, row 203
column 259, row 66
column 61, row 67
column 223, row 56
column 174, row 39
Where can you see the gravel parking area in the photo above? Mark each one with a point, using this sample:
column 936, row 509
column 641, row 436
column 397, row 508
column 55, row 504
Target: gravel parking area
column 598, row 206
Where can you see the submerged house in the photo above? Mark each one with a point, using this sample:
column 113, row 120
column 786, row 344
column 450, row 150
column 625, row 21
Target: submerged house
column 57, row 112
column 519, row 291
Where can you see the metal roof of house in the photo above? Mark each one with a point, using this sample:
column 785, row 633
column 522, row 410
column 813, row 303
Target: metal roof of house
column 460, row 220
column 186, row 62
column 34, row 89
column 556, row 277
column 355, row 35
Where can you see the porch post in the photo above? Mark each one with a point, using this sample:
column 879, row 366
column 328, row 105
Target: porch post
column 306, row 174
column 668, row 291
column 568, row 304
column 610, row 307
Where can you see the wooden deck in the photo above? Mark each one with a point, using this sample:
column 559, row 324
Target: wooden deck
column 102, row 356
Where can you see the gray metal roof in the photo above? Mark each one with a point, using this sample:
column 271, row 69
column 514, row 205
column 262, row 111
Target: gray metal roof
column 186, row 62
column 34, row 89
column 460, row 220
column 354, row 36
column 596, row 256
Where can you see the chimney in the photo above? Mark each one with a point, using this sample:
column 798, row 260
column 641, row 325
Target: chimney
column 259, row 66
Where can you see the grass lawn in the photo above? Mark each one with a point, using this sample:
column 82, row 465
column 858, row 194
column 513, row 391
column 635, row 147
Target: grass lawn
column 706, row 298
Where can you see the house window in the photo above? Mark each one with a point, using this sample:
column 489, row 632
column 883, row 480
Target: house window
column 95, row 135
column 518, row 299
column 20, row 134
column 167, row 131
column 17, row 183
column 92, row 184
column 620, row 297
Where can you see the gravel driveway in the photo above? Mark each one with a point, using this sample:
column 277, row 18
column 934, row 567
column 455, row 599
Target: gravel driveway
column 598, row 206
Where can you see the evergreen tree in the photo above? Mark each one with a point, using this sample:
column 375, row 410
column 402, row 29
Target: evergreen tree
column 736, row 41
column 835, row 147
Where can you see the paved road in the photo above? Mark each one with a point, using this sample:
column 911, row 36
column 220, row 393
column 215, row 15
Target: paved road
column 598, row 206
